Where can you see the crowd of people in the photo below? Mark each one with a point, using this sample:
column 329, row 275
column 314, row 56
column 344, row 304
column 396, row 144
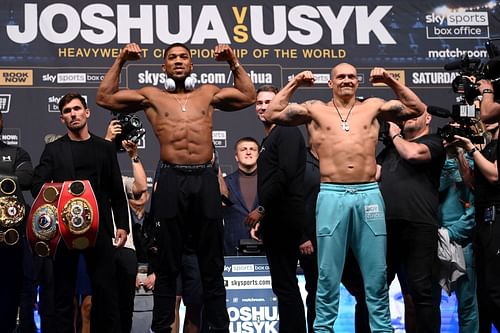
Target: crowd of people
column 334, row 206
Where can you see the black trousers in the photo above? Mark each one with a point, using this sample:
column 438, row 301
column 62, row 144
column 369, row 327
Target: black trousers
column 412, row 247
column 11, row 279
column 28, row 292
column 487, row 250
column 101, row 270
column 188, row 210
column 309, row 265
column 282, row 252
column 126, row 270
column 44, row 275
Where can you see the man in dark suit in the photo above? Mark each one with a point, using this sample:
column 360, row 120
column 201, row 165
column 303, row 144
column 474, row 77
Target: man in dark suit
column 242, row 187
column 80, row 155
column 280, row 217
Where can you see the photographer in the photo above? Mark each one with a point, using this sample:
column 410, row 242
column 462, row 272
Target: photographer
column 457, row 227
column 125, row 258
column 487, row 202
column 490, row 108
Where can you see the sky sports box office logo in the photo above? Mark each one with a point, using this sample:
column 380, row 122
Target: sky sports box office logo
column 69, row 78
column 442, row 24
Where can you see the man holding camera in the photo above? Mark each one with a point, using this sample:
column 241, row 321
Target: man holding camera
column 457, row 226
column 187, row 199
column 136, row 190
column 490, row 103
column 487, row 202
column 409, row 180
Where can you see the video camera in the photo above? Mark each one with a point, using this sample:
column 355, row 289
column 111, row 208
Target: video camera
column 465, row 122
column 471, row 70
column 132, row 129
column 465, row 114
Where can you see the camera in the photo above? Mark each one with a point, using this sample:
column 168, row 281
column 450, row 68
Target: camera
column 465, row 122
column 448, row 133
column 132, row 129
column 471, row 70
column 465, row 113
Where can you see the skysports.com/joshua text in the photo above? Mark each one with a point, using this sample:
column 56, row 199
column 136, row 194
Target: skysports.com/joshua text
column 248, row 283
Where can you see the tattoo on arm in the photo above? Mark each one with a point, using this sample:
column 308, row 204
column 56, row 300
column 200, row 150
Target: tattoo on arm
column 292, row 112
column 398, row 110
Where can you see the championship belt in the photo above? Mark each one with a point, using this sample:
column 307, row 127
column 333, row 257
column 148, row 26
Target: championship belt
column 12, row 210
column 42, row 228
column 78, row 214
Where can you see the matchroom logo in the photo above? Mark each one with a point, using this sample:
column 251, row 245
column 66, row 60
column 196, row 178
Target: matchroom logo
column 16, row 77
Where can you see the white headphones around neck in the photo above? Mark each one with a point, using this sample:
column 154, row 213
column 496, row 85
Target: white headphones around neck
column 189, row 83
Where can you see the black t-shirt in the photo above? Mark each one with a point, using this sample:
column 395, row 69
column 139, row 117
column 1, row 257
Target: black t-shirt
column 486, row 193
column 411, row 190
column 85, row 166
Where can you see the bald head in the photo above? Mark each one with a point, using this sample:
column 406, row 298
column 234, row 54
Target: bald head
column 343, row 67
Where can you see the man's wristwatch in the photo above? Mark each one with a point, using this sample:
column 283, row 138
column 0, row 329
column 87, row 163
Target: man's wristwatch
column 472, row 151
column 396, row 136
column 261, row 210
column 136, row 159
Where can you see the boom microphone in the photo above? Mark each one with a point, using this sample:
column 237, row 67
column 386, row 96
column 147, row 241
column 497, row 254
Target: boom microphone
column 491, row 48
column 438, row 111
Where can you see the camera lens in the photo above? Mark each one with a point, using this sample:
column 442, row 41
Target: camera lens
column 135, row 122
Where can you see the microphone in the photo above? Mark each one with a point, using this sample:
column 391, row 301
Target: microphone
column 438, row 111
column 462, row 63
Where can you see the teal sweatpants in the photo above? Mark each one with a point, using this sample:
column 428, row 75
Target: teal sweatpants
column 351, row 215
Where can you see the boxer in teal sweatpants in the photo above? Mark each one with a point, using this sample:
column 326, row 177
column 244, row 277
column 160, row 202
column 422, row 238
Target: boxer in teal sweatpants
column 351, row 215
column 343, row 131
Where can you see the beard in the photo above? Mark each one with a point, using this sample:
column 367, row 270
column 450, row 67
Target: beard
column 412, row 126
column 76, row 128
